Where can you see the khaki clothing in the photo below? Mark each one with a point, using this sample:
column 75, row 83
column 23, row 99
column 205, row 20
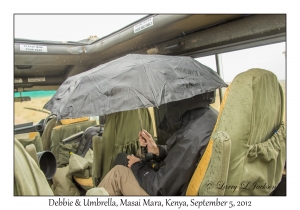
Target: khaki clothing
column 121, row 181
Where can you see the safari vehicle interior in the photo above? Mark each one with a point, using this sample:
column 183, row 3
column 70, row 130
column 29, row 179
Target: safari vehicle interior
column 41, row 65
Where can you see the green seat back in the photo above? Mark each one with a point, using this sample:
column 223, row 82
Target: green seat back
column 120, row 136
column 28, row 177
column 251, row 119
column 61, row 151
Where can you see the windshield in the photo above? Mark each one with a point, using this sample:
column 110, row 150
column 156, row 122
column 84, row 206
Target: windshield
column 31, row 111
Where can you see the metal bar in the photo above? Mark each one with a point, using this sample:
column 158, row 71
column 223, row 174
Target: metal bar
column 240, row 45
column 140, row 119
column 252, row 31
column 220, row 72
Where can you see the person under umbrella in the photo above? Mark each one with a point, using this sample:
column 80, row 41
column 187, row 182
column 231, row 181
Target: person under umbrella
column 190, row 123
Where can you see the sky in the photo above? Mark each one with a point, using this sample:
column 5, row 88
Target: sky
column 78, row 27
column 69, row 27
column 269, row 57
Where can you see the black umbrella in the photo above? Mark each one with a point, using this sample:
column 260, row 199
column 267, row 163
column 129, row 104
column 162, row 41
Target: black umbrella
column 131, row 82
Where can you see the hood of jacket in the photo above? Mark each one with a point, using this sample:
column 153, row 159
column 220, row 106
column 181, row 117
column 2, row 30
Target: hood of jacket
column 177, row 110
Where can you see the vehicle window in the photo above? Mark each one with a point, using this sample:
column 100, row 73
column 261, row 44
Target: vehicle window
column 210, row 61
column 270, row 57
column 31, row 111
column 97, row 118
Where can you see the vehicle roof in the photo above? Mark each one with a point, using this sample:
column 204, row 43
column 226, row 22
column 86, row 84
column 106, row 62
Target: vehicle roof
column 182, row 34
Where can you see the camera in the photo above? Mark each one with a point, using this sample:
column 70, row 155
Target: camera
column 150, row 159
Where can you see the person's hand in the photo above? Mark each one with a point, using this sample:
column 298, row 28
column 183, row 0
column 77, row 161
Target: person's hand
column 146, row 139
column 131, row 160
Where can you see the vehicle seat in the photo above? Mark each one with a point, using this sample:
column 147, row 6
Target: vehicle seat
column 67, row 128
column 28, row 177
column 30, row 138
column 120, row 135
column 81, row 170
column 63, row 183
column 46, row 136
column 247, row 150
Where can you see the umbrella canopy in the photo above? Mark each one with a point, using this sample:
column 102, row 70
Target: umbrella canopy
column 131, row 82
